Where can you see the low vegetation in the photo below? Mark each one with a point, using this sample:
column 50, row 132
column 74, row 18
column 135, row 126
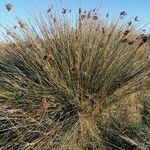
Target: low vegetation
column 74, row 85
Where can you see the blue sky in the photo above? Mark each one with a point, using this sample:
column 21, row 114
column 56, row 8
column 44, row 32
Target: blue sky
column 24, row 8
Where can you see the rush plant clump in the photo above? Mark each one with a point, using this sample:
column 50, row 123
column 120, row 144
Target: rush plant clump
column 58, row 79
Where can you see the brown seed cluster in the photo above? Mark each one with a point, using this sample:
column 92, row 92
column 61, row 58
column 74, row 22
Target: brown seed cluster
column 15, row 27
column 80, row 11
column 73, row 69
column 144, row 38
column 21, row 24
column 129, row 23
column 131, row 42
column 107, row 15
column 9, row 7
column 136, row 18
column 95, row 17
column 91, row 14
column 87, row 97
column 64, row 11
column 123, row 13
column 126, row 32
column 49, row 58
column 50, row 9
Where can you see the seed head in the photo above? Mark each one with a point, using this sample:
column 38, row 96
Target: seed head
column 14, row 45
column 94, row 9
column 107, row 15
column 131, row 42
column 15, row 27
column 22, row 25
column 141, row 44
column 64, row 11
column 73, row 69
column 50, row 58
column 126, row 32
column 144, row 30
column 136, row 18
column 9, row 7
column 83, row 16
column 123, row 13
column 45, row 57
column 49, row 10
column 95, row 17
column 145, row 39
column 54, row 19
column 89, row 14
column 80, row 10
column 129, row 23
column 87, row 96
column 124, row 40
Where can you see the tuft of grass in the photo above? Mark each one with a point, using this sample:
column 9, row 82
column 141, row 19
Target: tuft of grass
column 59, row 78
